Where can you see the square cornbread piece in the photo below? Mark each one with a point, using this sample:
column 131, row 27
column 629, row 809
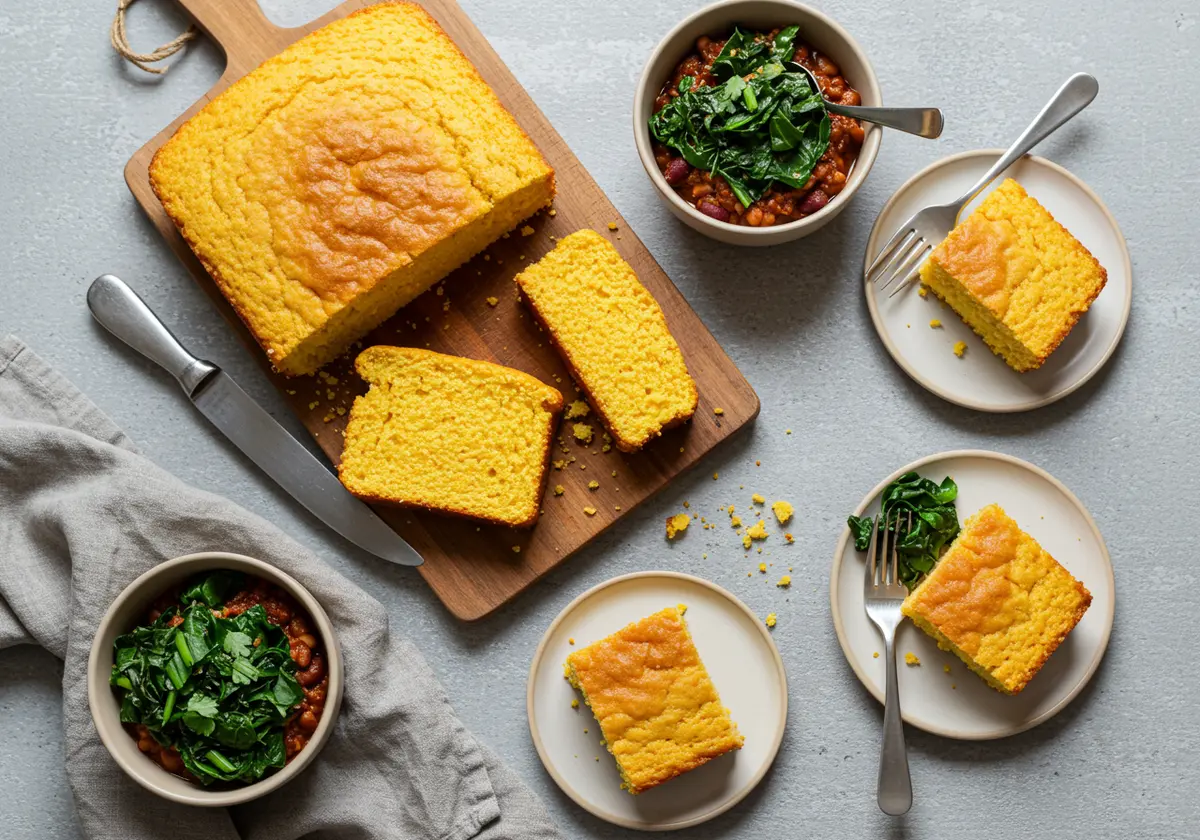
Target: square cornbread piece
column 1015, row 275
column 449, row 434
column 658, row 710
column 998, row 601
column 613, row 336
column 339, row 180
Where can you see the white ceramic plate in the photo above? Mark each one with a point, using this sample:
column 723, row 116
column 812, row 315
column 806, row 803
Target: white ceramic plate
column 959, row 704
column 741, row 660
column 980, row 379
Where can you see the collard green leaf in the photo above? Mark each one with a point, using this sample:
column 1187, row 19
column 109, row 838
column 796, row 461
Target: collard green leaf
column 934, row 523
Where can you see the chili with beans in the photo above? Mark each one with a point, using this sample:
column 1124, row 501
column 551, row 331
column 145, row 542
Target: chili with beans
column 306, row 651
column 781, row 204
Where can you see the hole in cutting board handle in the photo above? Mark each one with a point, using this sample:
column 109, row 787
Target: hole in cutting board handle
column 239, row 28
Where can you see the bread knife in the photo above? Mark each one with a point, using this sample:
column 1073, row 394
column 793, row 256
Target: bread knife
column 251, row 429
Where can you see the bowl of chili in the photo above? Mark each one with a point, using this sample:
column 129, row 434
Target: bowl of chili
column 735, row 140
column 214, row 679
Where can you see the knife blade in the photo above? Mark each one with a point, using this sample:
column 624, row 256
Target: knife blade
column 247, row 425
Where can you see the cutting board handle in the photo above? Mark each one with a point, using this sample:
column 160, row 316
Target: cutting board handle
column 239, row 27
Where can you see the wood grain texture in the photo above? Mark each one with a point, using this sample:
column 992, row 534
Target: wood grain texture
column 474, row 569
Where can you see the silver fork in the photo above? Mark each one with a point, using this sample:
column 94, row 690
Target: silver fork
column 901, row 258
column 883, row 593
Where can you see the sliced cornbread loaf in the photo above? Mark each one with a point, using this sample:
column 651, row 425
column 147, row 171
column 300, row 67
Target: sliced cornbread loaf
column 339, row 180
column 998, row 601
column 1015, row 275
column 613, row 336
column 656, row 705
column 449, row 434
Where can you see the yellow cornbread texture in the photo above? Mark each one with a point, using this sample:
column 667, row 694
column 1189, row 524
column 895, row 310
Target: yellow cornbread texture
column 998, row 601
column 613, row 336
column 658, row 710
column 1015, row 275
column 339, row 180
column 677, row 524
column 449, row 434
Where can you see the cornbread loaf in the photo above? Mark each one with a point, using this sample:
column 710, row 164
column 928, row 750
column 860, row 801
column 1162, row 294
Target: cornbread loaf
column 449, row 434
column 1015, row 275
column 339, row 180
column 658, row 710
column 613, row 336
column 998, row 601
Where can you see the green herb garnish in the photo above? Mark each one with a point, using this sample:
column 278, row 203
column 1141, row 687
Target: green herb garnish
column 218, row 690
column 763, row 123
column 935, row 522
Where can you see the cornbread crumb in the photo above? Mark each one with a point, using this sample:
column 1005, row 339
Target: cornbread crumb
column 770, row 620
column 960, row 347
column 492, row 301
column 574, row 702
column 571, row 640
column 686, row 503
column 934, row 324
column 911, row 659
column 729, row 510
column 787, row 431
column 757, row 499
column 590, row 511
column 786, row 580
column 762, row 567
column 923, row 291
column 527, row 231
column 558, row 489
column 583, row 432
column 758, row 531
column 612, row 225
column 746, row 542
column 593, row 485
column 715, row 475
column 789, row 538
column 875, row 654
column 718, row 411
column 735, row 521
column 946, row 668
column 551, row 212
column 677, row 524
column 516, row 549
column 783, row 512
column 577, row 409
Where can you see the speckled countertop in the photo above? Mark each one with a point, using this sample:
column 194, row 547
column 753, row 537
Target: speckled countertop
column 1122, row 761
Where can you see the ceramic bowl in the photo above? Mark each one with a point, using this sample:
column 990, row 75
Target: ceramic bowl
column 816, row 28
column 129, row 610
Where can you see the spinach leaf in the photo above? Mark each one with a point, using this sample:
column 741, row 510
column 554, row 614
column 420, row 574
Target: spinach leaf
column 934, row 523
column 218, row 690
column 762, row 124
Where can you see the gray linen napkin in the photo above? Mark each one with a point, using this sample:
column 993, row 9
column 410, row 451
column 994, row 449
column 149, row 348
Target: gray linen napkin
column 82, row 514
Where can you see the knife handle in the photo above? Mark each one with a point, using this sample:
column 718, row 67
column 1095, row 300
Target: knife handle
column 120, row 311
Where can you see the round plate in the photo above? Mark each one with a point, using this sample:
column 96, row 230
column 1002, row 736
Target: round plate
column 741, row 659
column 980, row 379
column 959, row 704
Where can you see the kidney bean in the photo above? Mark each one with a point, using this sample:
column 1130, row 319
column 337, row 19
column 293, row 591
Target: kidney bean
column 813, row 202
column 313, row 673
column 713, row 211
column 302, row 653
column 308, row 720
column 677, row 171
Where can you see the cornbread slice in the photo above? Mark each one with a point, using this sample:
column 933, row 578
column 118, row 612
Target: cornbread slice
column 339, row 180
column 1015, row 275
column 998, row 601
column 449, row 434
column 613, row 336
column 658, row 710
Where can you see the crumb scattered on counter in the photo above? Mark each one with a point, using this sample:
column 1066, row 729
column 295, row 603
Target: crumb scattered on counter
column 551, row 212
column 786, row 580
column 590, row 511
column 677, row 524
column 612, row 225
column 757, row 499
column 593, row 485
column 558, row 489
column 493, row 301
column 762, row 567
column 960, row 347
column 527, row 231
column 686, row 503
column 911, row 658
column 783, row 511
column 770, row 620
column 718, row 411
column 735, row 521
column 746, row 544
column 578, row 409
column 787, row 431
column 790, row 539
column 758, row 531
column 516, row 549
column 716, row 476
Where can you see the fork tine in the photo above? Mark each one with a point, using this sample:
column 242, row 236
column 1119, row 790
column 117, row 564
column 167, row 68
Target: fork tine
column 893, row 243
column 913, row 275
column 916, row 256
column 880, row 578
column 887, row 259
column 894, row 558
column 871, row 555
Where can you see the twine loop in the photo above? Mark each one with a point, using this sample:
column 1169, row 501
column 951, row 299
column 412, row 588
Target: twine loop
column 144, row 61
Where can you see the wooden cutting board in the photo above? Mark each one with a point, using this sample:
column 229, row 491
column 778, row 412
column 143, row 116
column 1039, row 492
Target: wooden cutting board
column 475, row 569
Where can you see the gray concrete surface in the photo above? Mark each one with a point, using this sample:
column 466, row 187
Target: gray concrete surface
column 1122, row 761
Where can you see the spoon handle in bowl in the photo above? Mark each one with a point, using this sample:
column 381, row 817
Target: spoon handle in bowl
column 923, row 122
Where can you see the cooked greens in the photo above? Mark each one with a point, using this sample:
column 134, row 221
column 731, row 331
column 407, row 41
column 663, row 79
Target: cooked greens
column 935, row 522
column 218, row 690
column 763, row 123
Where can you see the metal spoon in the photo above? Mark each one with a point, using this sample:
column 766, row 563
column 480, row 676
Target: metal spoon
column 923, row 122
